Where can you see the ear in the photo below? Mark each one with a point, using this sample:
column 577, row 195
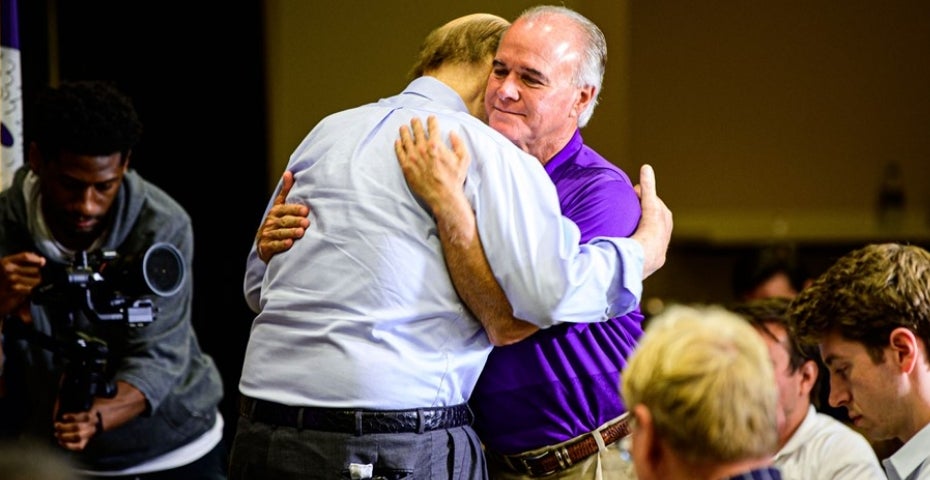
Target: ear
column 585, row 97
column 809, row 373
column 128, row 158
column 905, row 349
column 646, row 448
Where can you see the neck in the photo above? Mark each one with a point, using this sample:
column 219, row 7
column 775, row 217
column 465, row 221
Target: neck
column 792, row 423
column 544, row 149
column 469, row 81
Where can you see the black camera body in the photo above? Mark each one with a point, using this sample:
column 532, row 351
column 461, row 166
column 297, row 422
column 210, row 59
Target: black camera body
column 110, row 288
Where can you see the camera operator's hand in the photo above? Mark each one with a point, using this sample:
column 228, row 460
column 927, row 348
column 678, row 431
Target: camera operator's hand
column 74, row 430
column 19, row 274
column 285, row 223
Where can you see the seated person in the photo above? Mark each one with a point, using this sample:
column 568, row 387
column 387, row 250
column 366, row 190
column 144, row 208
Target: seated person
column 766, row 272
column 701, row 389
column 811, row 444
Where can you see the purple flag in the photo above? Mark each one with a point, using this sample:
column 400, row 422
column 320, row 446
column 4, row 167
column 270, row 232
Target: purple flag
column 11, row 93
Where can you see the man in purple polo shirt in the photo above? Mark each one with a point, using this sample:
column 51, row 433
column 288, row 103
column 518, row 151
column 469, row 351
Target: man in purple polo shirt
column 551, row 403
column 555, row 394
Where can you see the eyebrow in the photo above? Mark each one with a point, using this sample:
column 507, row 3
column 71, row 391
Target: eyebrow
column 522, row 70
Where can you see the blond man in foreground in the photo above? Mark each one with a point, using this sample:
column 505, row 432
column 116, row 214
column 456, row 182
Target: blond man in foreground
column 701, row 389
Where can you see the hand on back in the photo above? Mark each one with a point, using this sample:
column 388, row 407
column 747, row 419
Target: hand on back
column 433, row 171
column 285, row 223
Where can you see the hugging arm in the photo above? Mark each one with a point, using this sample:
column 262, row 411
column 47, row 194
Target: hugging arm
column 283, row 224
column 437, row 174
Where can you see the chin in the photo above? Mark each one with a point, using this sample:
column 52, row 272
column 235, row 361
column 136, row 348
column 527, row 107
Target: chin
column 503, row 127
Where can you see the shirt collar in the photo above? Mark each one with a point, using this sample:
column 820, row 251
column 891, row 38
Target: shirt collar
column 800, row 436
column 568, row 151
column 910, row 456
column 437, row 91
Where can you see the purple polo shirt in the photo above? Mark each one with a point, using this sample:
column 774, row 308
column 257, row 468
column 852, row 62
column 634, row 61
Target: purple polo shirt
column 563, row 381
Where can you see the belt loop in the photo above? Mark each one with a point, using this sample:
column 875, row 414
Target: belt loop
column 599, row 439
column 358, row 423
column 249, row 406
column 300, row 418
column 421, row 421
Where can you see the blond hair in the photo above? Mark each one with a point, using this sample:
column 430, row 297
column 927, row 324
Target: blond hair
column 706, row 377
column 466, row 40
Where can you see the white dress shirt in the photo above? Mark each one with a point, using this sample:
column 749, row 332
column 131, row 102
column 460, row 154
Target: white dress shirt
column 824, row 448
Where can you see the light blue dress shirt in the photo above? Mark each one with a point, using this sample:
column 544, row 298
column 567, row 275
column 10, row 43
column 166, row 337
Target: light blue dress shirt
column 361, row 311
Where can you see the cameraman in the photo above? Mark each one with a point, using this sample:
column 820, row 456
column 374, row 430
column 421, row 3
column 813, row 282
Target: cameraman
column 78, row 194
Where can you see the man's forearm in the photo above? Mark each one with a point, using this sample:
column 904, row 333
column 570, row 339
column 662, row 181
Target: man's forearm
column 472, row 276
column 127, row 404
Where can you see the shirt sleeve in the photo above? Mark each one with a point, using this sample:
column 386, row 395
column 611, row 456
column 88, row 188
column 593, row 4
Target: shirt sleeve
column 252, row 284
column 534, row 251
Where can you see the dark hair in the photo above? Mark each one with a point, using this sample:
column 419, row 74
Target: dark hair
column 761, row 312
column 867, row 294
column 84, row 117
column 759, row 265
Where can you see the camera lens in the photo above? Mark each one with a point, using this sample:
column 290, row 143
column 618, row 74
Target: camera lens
column 163, row 269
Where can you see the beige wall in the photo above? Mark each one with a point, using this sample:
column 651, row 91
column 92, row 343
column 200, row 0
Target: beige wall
column 779, row 112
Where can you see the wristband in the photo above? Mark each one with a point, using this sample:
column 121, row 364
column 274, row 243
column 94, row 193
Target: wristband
column 99, row 423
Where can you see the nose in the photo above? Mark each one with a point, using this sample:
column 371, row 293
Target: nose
column 508, row 89
column 839, row 394
column 87, row 203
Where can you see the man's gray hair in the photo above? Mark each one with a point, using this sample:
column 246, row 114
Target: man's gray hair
column 594, row 55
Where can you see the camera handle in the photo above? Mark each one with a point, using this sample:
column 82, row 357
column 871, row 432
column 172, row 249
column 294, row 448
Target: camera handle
column 85, row 360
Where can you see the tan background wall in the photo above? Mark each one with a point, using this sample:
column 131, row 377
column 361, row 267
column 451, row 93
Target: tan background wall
column 763, row 119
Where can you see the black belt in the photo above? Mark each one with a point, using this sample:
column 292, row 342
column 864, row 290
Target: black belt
column 557, row 459
column 357, row 422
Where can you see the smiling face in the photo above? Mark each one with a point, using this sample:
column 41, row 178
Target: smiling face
column 870, row 392
column 531, row 96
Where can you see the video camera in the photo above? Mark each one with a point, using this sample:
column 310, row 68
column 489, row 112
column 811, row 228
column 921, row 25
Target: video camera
column 110, row 288
column 107, row 288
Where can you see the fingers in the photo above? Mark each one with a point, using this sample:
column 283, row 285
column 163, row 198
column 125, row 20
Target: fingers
column 655, row 228
column 401, row 145
column 289, row 215
column 458, row 146
column 289, row 233
column 287, row 181
column 647, row 181
column 270, row 248
column 73, row 431
column 433, row 125
column 419, row 135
